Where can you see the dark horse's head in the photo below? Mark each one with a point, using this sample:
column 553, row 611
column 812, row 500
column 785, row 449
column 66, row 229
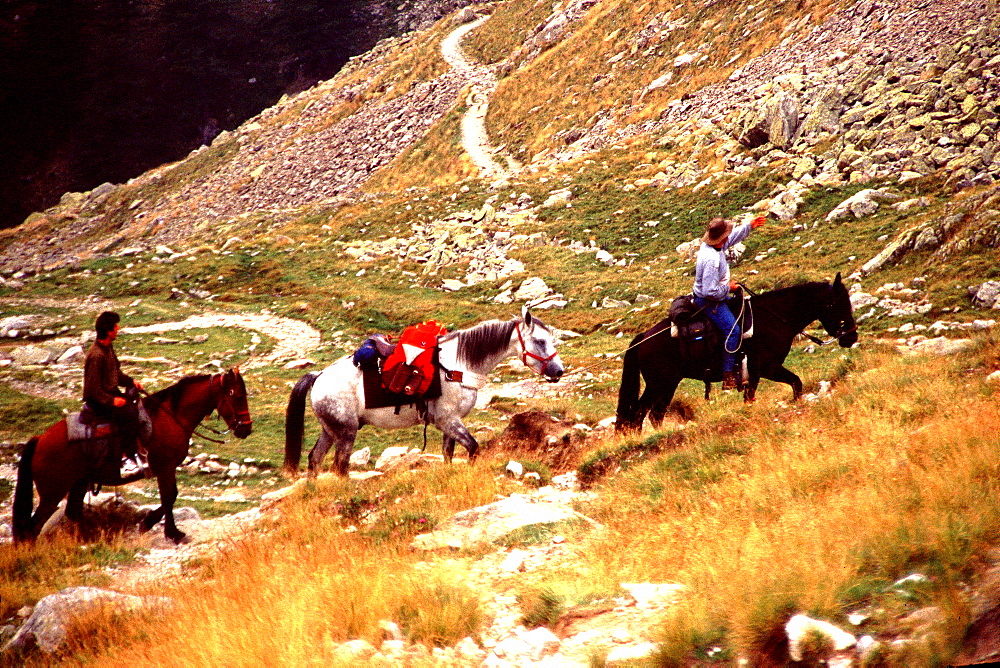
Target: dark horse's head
column 233, row 402
column 837, row 315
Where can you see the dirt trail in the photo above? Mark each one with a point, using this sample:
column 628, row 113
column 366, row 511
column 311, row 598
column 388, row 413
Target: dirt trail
column 293, row 338
column 475, row 140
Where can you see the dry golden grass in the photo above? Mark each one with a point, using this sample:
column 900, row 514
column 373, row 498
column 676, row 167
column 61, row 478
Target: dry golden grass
column 615, row 51
column 761, row 512
column 790, row 510
column 290, row 596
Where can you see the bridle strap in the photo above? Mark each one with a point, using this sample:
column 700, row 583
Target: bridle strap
column 240, row 417
column 525, row 353
column 819, row 342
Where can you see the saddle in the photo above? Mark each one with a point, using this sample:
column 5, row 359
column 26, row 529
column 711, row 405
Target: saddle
column 699, row 341
column 99, row 438
column 404, row 373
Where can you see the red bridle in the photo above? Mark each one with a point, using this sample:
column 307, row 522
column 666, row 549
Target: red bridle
column 525, row 353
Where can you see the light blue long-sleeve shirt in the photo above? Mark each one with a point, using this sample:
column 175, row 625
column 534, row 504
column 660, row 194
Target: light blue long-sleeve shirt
column 711, row 270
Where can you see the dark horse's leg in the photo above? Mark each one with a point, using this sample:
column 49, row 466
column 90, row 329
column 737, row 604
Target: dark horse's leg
column 783, row 375
column 74, row 501
column 167, row 482
column 656, row 399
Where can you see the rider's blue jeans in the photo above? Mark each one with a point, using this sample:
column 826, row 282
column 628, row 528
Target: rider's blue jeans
column 723, row 318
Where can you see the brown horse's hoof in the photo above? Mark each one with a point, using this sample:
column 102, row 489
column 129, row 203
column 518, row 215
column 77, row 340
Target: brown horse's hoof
column 180, row 538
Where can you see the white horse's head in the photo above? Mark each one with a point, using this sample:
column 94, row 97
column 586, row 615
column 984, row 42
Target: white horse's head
column 538, row 347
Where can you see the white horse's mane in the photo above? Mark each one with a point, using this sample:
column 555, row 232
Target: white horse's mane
column 486, row 340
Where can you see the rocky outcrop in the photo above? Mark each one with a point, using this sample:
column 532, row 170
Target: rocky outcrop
column 879, row 90
column 50, row 621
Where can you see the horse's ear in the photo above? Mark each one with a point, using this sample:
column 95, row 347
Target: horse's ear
column 526, row 314
column 837, row 280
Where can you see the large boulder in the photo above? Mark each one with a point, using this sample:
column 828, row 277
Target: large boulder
column 49, row 624
column 862, row 204
column 986, row 295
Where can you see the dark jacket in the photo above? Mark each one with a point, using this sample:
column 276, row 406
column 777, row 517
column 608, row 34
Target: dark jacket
column 102, row 375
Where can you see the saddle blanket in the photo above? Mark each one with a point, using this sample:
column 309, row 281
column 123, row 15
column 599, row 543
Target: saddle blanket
column 77, row 429
column 376, row 396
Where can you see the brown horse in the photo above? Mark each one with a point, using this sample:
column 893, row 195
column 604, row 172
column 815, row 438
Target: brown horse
column 58, row 467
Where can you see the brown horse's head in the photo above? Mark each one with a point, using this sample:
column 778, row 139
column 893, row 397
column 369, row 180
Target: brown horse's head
column 233, row 402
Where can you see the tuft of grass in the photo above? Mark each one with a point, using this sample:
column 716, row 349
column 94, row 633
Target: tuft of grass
column 23, row 416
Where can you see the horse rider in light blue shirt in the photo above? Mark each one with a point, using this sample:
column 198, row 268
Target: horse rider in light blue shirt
column 712, row 284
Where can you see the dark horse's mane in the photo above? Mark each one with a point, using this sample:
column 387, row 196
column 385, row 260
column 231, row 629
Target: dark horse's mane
column 173, row 394
column 482, row 341
column 795, row 290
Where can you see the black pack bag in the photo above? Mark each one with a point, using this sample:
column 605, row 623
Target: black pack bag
column 698, row 340
column 682, row 310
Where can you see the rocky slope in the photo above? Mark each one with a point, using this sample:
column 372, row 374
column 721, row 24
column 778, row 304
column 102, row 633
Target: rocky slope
column 877, row 91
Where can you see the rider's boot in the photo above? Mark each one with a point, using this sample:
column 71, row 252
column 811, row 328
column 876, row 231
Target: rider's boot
column 731, row 381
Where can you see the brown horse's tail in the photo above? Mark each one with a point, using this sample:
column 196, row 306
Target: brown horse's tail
column 24, row 496
column 295, row 421
column 628, row 417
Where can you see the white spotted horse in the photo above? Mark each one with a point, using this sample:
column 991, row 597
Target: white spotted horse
column 466, row 356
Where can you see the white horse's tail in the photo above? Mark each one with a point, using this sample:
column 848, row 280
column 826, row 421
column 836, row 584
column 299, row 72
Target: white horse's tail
column 295, row 421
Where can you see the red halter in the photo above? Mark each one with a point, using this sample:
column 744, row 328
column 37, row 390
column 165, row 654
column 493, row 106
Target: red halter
column 525, row 353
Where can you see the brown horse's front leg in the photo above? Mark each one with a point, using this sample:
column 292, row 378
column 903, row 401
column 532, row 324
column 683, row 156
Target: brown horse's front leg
column 74, row 501
column 167, row 482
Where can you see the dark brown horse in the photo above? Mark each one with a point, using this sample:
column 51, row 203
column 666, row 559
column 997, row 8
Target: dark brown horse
column 58, row 467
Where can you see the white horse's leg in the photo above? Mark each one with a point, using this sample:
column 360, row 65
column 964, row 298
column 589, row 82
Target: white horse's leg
column 340, row 435
column 319, row 451
column 454, row 430
column 344, row 438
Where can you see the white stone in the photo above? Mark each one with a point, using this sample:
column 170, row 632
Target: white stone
column 532, row 288
column 361, row 458
column 800, row 626
column 397, row 455
column 649, row 595
column 630, row 654
column 514, row 562
column 514, row 469
column 486, row 524
column 72, row 355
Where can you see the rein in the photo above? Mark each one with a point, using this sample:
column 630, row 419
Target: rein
column 215, row 380
column 819, row 342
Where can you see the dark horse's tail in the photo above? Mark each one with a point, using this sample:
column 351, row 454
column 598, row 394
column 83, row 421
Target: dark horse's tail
column 24, row 494
column 628, row 417
column 295, row 421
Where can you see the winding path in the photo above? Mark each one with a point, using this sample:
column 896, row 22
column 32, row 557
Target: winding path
column 293, row 338
column 475, row 140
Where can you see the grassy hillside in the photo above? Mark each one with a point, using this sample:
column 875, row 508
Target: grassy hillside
column 761, row 511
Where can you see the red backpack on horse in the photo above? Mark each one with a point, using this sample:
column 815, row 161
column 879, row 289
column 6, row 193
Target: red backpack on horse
column 409, row 369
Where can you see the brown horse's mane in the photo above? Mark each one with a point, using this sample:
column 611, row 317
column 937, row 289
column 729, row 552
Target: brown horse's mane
column 173, row 393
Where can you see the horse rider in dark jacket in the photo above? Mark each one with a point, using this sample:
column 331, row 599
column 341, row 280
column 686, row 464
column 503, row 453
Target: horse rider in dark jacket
column 103, row 376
